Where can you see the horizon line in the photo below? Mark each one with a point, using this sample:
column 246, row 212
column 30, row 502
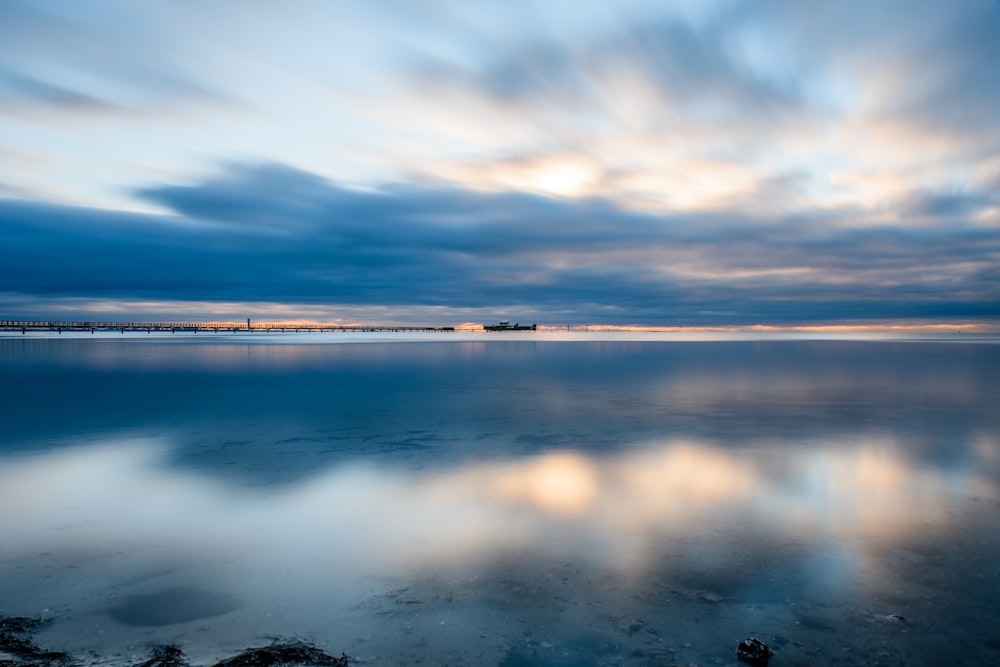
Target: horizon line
column 249, row 324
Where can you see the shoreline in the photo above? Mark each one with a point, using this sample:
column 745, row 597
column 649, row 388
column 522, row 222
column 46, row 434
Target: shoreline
column 17, row 649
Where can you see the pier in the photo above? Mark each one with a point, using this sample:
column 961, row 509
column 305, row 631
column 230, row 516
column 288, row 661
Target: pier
column 24, row 326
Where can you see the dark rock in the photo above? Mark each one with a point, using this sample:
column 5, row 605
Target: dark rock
column 166, row 656
column 14, row 640
column 754, row 652
column 279, row 655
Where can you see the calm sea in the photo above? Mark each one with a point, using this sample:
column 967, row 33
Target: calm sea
column 522, row 499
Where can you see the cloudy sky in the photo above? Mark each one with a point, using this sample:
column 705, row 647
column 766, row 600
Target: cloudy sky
column 700, row 163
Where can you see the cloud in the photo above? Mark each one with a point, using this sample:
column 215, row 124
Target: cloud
column 675, row 108
column 32, row 90
column 925, row 65
column 679, row 115
column 273, row 233
column 948, row 205
column 725, row 162
column 690, row 71
column 58, row 59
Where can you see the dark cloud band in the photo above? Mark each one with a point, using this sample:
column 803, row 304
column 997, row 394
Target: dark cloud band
column 275, row 234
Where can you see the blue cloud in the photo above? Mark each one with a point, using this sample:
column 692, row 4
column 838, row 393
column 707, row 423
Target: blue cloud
column 692, row 70
column 273, row 233
column 75, row 57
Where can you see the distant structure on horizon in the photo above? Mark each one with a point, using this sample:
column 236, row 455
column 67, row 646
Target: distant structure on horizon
column 505, row 325
column 194, row 327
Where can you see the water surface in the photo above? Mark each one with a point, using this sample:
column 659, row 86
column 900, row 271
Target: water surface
column 504, row 500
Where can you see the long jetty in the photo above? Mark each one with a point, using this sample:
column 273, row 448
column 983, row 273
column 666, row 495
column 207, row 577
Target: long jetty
column 24, row 326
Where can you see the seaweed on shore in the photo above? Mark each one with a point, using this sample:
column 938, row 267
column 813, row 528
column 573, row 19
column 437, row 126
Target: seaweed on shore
column 14, row 642
column 278, row 655
column 166, row 656
column 17, row 650
column 275, row 655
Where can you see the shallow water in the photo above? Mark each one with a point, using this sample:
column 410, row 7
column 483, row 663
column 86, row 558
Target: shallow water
column 504, row 500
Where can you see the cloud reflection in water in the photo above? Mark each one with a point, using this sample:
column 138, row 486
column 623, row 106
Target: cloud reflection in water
column 619, row 511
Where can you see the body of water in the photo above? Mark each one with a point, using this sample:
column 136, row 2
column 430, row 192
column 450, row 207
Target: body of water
column 522, row 499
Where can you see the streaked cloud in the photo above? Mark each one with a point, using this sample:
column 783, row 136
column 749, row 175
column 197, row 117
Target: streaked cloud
column 704, row 163
column 275, row 234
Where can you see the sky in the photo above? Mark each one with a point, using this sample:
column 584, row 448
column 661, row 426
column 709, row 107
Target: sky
column 691, row 163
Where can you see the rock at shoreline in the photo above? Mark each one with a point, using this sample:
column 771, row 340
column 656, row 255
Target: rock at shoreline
column 17, row 650
column 275, row 655
column 279, row 655
column 754, row 652
column 166, row 656
column 14, row 642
